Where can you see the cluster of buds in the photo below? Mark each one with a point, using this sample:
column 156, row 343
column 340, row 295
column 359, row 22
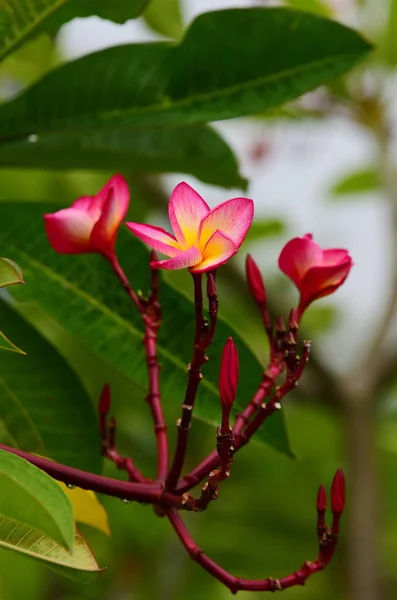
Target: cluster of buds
column 203, row 239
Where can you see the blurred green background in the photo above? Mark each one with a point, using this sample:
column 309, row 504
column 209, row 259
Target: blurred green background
column 326, row 164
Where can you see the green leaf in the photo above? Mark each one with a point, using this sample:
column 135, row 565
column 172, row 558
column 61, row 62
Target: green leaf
column 164, row 17
column 79, row 564
column 21, row 20
column 314, row 6
column 42, row 403
column 280, row 55
column 191, row 149
column 264, row 228
column 10, row 272
column 358, row 182
column 31, row 498
column 82, row 294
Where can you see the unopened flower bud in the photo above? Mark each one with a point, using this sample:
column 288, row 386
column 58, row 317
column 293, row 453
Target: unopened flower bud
column 254, row 280
column 104, row 400
column 338, row 492
column 228, row 375
column 321, row 499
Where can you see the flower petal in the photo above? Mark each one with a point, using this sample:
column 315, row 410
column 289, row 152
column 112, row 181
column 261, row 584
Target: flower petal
column 299, row 255
column 233, row 218
column 155, row 237
column 69, row 230
column 218, row 250
column 323, row 281
column 186, row 258
column 113, row 212
column 186, row 209
column 335, row 257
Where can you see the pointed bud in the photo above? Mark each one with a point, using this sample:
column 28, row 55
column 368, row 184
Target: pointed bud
column 254, row 280
column 104, row 401
column 211, row 285
column 228, row 375
column 321, row 499
column 338, row 492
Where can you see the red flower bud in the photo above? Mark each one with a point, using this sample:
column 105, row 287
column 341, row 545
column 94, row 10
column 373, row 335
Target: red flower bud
column 228, row 376
column 254, row 280
column 321, row 499
column 104, row 400
column 315, row 272
column 338, row 492
column 92, row 222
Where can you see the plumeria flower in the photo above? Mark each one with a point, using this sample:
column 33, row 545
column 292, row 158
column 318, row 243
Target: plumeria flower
column 204, row 238
column 92, row 222
column 315, row 272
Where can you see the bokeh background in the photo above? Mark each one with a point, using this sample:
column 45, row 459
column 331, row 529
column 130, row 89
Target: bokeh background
column 324, row 164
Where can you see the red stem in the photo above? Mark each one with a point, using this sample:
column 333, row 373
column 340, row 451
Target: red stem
column 326, row 549
column 202, row 339
column 210, row 463
column 151, row 316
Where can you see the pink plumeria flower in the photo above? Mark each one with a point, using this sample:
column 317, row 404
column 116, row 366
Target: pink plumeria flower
column 92, row 222
column 315, row 272
column 204, row 238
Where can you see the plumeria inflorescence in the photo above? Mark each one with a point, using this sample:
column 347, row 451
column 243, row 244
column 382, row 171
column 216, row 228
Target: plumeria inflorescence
column 203, row 239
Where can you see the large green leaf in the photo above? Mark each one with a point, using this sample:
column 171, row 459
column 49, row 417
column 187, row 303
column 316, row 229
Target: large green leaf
column 22, row 19
column 231, row 63
column 192, row 149
column 42, row 403
column 82, row 295
column 79, row 564
column 32, row 499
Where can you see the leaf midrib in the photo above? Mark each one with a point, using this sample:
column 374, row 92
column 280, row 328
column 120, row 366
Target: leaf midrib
column 171, row 104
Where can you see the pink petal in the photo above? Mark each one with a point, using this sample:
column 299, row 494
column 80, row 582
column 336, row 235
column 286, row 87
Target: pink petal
column 323, row 281
column 187, row 258
column 69, row 230
column 233, row 218
column 186, row 209
column 299, row 255
column 156, row 237
column 335, row 257
column 217, row 251
column 113, row 212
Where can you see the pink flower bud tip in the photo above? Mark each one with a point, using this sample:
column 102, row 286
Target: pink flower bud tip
column 92, row 222
column 254, row 280
column 104, row 400
column 321, row 499
column 229, row 373
column 315, row 272
column 203, row 238
column 338, row 492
